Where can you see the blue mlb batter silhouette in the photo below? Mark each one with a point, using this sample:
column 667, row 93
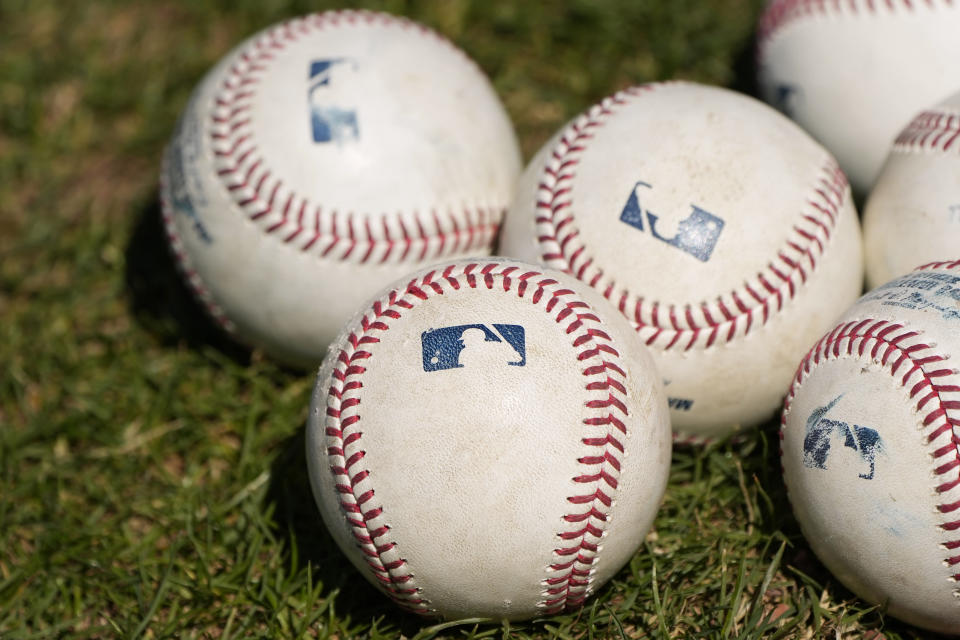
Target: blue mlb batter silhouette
column 442, row 348
column 821, row 430
column 697, row 234
column 329, row 122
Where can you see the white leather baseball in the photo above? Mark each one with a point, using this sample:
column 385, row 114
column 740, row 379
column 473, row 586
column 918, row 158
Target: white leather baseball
column 853, row 73
column 913, row 214
column 322, row 159
column 870, row 447
column 488, row 439
column 717, row 226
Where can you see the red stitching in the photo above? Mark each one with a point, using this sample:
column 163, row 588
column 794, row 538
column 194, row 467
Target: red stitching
column 570, row 575
column 948, row 264
column 781, row 13
column 358, row 234
column 919, row 369
column 933, row 130
column 681, row 326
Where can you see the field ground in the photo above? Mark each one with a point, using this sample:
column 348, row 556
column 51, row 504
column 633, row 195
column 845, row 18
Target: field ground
column 152, row 482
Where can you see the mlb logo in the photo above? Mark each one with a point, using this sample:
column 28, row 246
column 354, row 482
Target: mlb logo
column 697, row 234
column 787, row 98
column 462, row 345
column 178, row 185
column 822, row 433
column 329, row 121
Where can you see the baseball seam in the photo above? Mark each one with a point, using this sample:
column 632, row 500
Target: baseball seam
column 278, row 211
column 921, row 371
column 782, row 13
column 673, row 326
column 943, row 264
column 570, row 576
column 931, row 131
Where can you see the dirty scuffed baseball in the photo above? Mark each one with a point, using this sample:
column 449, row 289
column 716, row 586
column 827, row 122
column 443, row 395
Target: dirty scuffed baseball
column 913, row 214
column 323, row 158
column 715, row 224
column 870, row 447
column 488, row 439
column 853, row 73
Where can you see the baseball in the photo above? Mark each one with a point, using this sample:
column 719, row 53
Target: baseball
column 322, row 159
column 488, row 439
column 912, row 216
column 870, row 447
column 719, row 228
column 853, row 73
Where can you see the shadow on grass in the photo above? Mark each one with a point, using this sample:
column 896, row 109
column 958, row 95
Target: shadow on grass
column 762, row 463
column 297, row 523
column 744, row 77
column 159, row 298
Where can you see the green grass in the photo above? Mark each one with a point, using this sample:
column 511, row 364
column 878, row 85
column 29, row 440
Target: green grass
column 152, row 482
